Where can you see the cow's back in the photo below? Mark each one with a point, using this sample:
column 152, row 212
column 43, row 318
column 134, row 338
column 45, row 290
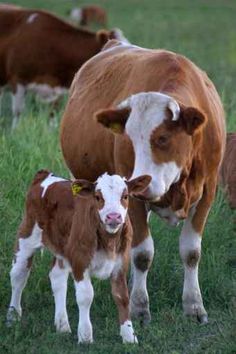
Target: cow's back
column 113, row 75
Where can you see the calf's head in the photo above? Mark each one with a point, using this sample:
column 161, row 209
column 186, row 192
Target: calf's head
column 110, row 196
column 161, row 133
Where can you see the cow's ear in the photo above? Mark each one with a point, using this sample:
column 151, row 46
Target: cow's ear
column 192, row 119
column 102, row 36
column 138, row 185
column 82, row 187
column 114, row 119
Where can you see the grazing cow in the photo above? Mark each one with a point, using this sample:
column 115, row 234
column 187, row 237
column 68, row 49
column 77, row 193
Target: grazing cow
column 228, row 169
column 162, row 117
column 87, row 14
column 41, row 52
column 89, row 235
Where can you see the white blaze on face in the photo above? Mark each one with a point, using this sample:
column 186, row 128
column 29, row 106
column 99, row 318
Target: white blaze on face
column 148, row 112
column 111, row 188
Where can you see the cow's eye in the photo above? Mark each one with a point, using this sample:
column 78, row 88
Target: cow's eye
column 162, row 141
column 125, row 196
column 98, row 198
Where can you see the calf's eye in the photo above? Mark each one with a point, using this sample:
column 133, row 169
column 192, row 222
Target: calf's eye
column 98, row 198
column 125, row 197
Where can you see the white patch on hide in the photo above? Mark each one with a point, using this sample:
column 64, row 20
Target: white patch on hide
column 49, row 180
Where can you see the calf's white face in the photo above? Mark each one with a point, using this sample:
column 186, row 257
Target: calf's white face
column 111, row 196
column 161, row 136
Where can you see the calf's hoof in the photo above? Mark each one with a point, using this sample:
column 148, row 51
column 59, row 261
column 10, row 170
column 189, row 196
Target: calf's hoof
column 62, row 325
column 203, row 319
column 127, row 333
column 197, row 311
column 12, row 316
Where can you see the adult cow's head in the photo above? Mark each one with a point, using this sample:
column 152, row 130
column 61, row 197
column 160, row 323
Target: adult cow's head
column 161, row 133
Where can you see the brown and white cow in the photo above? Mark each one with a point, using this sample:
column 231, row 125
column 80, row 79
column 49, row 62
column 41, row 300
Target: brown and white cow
column 164, row 118
column 41, row 52
column 88, row 14
column 228, row 169
column 89, row 234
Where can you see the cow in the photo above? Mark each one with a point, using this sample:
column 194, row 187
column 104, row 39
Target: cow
column 135, row 111
column 228, row 170
column 41, row 52
column 89, row 234
column 88, row 14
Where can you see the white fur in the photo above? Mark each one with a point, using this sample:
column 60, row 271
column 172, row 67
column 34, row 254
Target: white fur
column 49, row 180
column 17, row 103
column 127, row 332
column 147, row 113
column 47, row 93
column 103, row 267
column 76, row 14
column 84, row 297
column 139, row 278
column 190, row 240
column 20, row 272
column 32, row 17
column 112, row 188
column 120, row 36
column 58, row 277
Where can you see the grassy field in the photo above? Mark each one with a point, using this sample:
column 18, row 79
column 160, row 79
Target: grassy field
column 205, row 31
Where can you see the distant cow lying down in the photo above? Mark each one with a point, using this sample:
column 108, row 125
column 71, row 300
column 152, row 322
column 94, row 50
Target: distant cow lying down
column 228, row 169
column 89, row 234
column 41, row 52
column 87, row 14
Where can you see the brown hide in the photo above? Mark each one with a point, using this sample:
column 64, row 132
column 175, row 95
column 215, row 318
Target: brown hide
column 93, row 13
column 46, row 50
column 117, row 73
column 71, row 225
column 228, row 169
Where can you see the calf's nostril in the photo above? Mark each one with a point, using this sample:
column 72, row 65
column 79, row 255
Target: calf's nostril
column 111, row 217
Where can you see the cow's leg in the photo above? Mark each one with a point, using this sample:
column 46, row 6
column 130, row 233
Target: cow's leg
column 20, row 270
column 141, row 258
column 84, row 298
column 17, row 103
column 121, row 298
column 190, row 252
column 58, row 277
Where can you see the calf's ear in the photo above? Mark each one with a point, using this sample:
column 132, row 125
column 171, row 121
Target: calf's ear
column 192, row 119
column 82, row 187
column 138, row 184
column 114, row 119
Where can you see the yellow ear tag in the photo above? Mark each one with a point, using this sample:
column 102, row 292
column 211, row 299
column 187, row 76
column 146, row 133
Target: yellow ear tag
column 116, row 127
column 76, row 189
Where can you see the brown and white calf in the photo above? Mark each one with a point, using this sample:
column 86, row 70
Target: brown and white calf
column 41, row 52
column 89, row 234
column 88, row 14
column 163, row 117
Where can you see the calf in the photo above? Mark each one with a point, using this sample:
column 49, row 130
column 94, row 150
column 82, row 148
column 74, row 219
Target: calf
column 41, row 52
column 87, row 14
column 89, row 234
column 228, row 169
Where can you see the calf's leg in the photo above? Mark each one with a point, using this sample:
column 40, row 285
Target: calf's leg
column 121, row 298
column 84, row 297
column 21, row 268
column 58, row 277
column 141, row 259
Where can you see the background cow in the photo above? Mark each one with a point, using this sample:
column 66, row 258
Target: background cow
column 228, row 169
column 41, row 52
column 168, row 122
column 89, row 234
column 89, row 14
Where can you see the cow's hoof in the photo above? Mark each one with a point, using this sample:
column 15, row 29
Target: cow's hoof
column 12, row 316
column 202, row 319
column 141, row 312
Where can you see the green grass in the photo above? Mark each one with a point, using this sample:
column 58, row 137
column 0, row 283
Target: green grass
column 204, row 31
